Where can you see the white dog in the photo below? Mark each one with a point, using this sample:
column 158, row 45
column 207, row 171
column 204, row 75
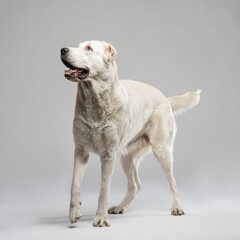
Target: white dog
column 113, row 116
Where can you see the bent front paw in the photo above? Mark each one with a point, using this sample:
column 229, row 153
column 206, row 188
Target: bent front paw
column 74, row 214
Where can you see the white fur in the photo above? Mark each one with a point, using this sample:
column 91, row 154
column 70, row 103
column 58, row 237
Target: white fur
column 181, row 104
column 125, row 117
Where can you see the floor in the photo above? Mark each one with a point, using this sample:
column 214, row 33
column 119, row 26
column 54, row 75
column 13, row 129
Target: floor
column 147, row 218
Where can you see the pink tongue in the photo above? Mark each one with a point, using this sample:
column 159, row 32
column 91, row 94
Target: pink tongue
column 74, row 72
column 71, row 71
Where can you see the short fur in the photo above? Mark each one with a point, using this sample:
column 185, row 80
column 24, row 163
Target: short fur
column 120, row 117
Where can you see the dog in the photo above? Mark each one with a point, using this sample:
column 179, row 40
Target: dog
column 114, row 117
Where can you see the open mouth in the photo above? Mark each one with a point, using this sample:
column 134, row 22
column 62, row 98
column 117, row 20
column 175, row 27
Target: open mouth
column 80, row 73
column 75, row 73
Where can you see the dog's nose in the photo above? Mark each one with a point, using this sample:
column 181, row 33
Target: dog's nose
column 64, row 50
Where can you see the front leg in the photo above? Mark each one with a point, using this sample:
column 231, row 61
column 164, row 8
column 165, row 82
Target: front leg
column 80, row 160
column 107, row 166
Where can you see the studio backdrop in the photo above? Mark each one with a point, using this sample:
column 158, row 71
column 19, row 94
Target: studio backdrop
column 175, row 46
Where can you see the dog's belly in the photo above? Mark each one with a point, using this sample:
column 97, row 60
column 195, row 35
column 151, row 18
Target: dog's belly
column 131, row 130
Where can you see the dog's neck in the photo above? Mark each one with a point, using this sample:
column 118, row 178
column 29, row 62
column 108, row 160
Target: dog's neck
column 97, row 100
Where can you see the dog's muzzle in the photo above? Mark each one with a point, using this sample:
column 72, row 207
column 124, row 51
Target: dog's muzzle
column 73, row 72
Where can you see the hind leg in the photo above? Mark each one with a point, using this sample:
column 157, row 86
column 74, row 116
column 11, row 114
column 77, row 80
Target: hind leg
column 162, row 135
column 165, row 157
column 131, row 170
column 130, row 164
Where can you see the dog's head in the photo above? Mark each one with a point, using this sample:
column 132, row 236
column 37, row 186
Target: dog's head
column 90, row 60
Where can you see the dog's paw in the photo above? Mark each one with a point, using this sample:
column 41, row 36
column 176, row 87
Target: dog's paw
column 117, row 210
column 177, row 211
column 101, row 221
column 74, row 213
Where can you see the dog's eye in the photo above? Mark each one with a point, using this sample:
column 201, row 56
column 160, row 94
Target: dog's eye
column 89, row 48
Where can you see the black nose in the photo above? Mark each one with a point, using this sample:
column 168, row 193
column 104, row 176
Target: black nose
column 64, row 50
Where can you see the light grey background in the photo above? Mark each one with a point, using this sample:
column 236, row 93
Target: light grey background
column 175, row 46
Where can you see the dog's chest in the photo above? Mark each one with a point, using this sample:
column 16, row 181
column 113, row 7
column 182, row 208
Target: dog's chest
column 96, row 137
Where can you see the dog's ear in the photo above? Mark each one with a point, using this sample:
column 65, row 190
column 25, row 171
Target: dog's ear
column 110, row 52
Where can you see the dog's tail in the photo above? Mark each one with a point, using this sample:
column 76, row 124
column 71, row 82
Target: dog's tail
column 181, row 104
